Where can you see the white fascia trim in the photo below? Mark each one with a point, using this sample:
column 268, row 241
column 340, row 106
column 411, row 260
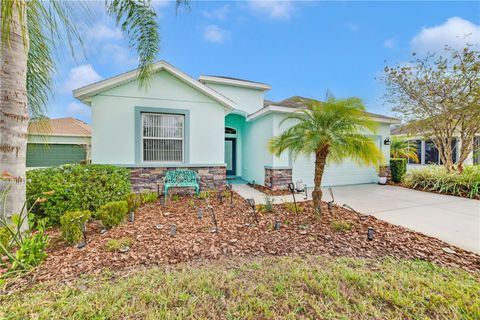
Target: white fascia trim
column 273, row 108
column 233, row 82
column 85, row 94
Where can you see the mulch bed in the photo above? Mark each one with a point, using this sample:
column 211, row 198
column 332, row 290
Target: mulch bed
column 238, row 236
column 270, row 192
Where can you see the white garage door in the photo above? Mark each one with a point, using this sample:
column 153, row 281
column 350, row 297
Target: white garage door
column 335, row 175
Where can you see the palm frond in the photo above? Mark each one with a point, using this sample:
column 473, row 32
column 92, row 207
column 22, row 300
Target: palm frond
column 403, row 148
column 138, row 21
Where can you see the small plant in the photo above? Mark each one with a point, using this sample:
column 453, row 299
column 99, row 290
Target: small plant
column 175, row 197
column 133, row 201
column 5, row 237
column 191, row 204
column 71, row 225
column 112, row 213
column 261, row 208
column 291, row 207
column 148, row 197
column 204, row 195
column 269, row 204
column 117, row 244
column 340, row 225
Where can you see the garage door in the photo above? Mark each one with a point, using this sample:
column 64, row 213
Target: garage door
column 41, row 155
column 335, row 175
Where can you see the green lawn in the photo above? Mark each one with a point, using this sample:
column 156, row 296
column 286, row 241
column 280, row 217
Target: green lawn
column 263, row 288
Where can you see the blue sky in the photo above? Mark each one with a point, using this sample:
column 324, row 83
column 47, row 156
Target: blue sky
column 300, row 48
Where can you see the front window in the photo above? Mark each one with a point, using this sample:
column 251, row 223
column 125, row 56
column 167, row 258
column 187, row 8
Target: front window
column 162, row 137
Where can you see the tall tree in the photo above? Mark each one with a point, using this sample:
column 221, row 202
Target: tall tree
column 31, row 31
column 333, row 131
column 439, row 98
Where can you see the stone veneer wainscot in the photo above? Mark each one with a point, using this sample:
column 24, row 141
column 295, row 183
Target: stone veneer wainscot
column 148, row 178
column 278, row 178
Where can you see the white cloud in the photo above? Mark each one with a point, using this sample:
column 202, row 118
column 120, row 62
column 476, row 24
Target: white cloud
column 219, row 13
column 76, row 109
column 273, row 8
column 103, row 32
column 390, row 43
column 81, row 76
column 213, row 33
column 119, row 55
column 353, row 27
column 455, row 32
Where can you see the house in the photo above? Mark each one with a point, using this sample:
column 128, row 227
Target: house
column 217, row 126
column 53, row 142
column 427, row 152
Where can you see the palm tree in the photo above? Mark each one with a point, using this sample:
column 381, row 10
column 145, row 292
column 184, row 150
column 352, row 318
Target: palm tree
column 332, row 131
column 403, row 148
column 30, row 33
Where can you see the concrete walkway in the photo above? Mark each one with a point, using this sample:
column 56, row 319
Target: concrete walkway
column 452, row 219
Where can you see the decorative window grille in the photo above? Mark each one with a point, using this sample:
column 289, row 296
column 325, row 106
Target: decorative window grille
column 162, row 137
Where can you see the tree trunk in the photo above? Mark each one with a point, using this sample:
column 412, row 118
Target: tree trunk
column 13, row 111
column 320, row 160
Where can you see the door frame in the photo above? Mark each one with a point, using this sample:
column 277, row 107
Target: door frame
column 233, row 172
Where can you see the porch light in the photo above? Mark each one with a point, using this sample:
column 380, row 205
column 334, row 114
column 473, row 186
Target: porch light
column 386, row 141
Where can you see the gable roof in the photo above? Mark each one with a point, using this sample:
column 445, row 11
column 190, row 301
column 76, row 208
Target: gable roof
column 235, row 82
column 298, row 102
column 86, row 93
column 59, row 127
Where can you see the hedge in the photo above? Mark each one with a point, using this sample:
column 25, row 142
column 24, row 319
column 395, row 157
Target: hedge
column 398, row 168
column 75, row 187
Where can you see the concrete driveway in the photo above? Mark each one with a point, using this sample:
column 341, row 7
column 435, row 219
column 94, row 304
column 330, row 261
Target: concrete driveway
column 452, row 219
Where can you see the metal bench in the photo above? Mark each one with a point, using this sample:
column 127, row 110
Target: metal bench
column 181, row 179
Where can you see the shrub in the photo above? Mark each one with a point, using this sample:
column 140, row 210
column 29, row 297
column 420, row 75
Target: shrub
column 117, row 244
column 71, row 225
column 398, row 168
column 148, row 197
column 5, row 237
column 76, row 187
column 133, row 201
column 436, row 178
column 112, row 213
column 291, row 207
column 269, row 204
column 340, row 225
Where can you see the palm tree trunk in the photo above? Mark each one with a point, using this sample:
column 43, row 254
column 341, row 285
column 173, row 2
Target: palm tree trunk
column 320, row 161
column 13, row 111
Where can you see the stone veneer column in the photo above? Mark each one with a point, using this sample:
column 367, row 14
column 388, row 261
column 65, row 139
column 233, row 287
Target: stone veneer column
column 278, row 178
column 148, row 178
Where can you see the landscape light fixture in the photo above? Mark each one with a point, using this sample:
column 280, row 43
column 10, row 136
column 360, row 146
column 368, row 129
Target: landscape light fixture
column 251, row 203
column 278, row 223
column 291, row 187
column 173, row 230
column 199, row 214
column 370, row 233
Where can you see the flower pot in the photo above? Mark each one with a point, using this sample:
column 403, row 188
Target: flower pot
column 382, row 180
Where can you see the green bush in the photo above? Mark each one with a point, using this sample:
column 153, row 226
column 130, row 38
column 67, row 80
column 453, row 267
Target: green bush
column 112, row 213
column 76, row 187
column 398, row 168
column 436, row 178
column 340, row 225
column 71, row 225
column 133, row 201
column 5, row 237
column 117, row 244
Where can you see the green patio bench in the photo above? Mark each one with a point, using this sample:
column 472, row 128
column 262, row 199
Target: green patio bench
column 181, row 179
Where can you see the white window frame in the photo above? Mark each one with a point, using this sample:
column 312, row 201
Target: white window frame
column 181, row 116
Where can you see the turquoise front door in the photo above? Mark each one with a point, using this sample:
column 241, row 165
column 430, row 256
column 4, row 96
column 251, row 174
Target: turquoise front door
column 231, row 155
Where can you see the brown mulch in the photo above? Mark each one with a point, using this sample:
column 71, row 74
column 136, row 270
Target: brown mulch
column 270, row 192
column 238, row 236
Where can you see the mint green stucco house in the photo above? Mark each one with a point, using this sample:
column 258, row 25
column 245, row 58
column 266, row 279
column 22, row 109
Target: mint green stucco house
column 217, row 126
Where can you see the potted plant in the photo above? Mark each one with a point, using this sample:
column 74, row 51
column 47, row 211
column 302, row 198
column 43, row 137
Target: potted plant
column 382, row 175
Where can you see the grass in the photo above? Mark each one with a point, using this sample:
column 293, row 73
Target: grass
column 266, row 288
column 436, row 178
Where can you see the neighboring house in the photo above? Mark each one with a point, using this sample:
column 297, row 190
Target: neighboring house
column 53, row 142
column 217, row 126
column 427, row 152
